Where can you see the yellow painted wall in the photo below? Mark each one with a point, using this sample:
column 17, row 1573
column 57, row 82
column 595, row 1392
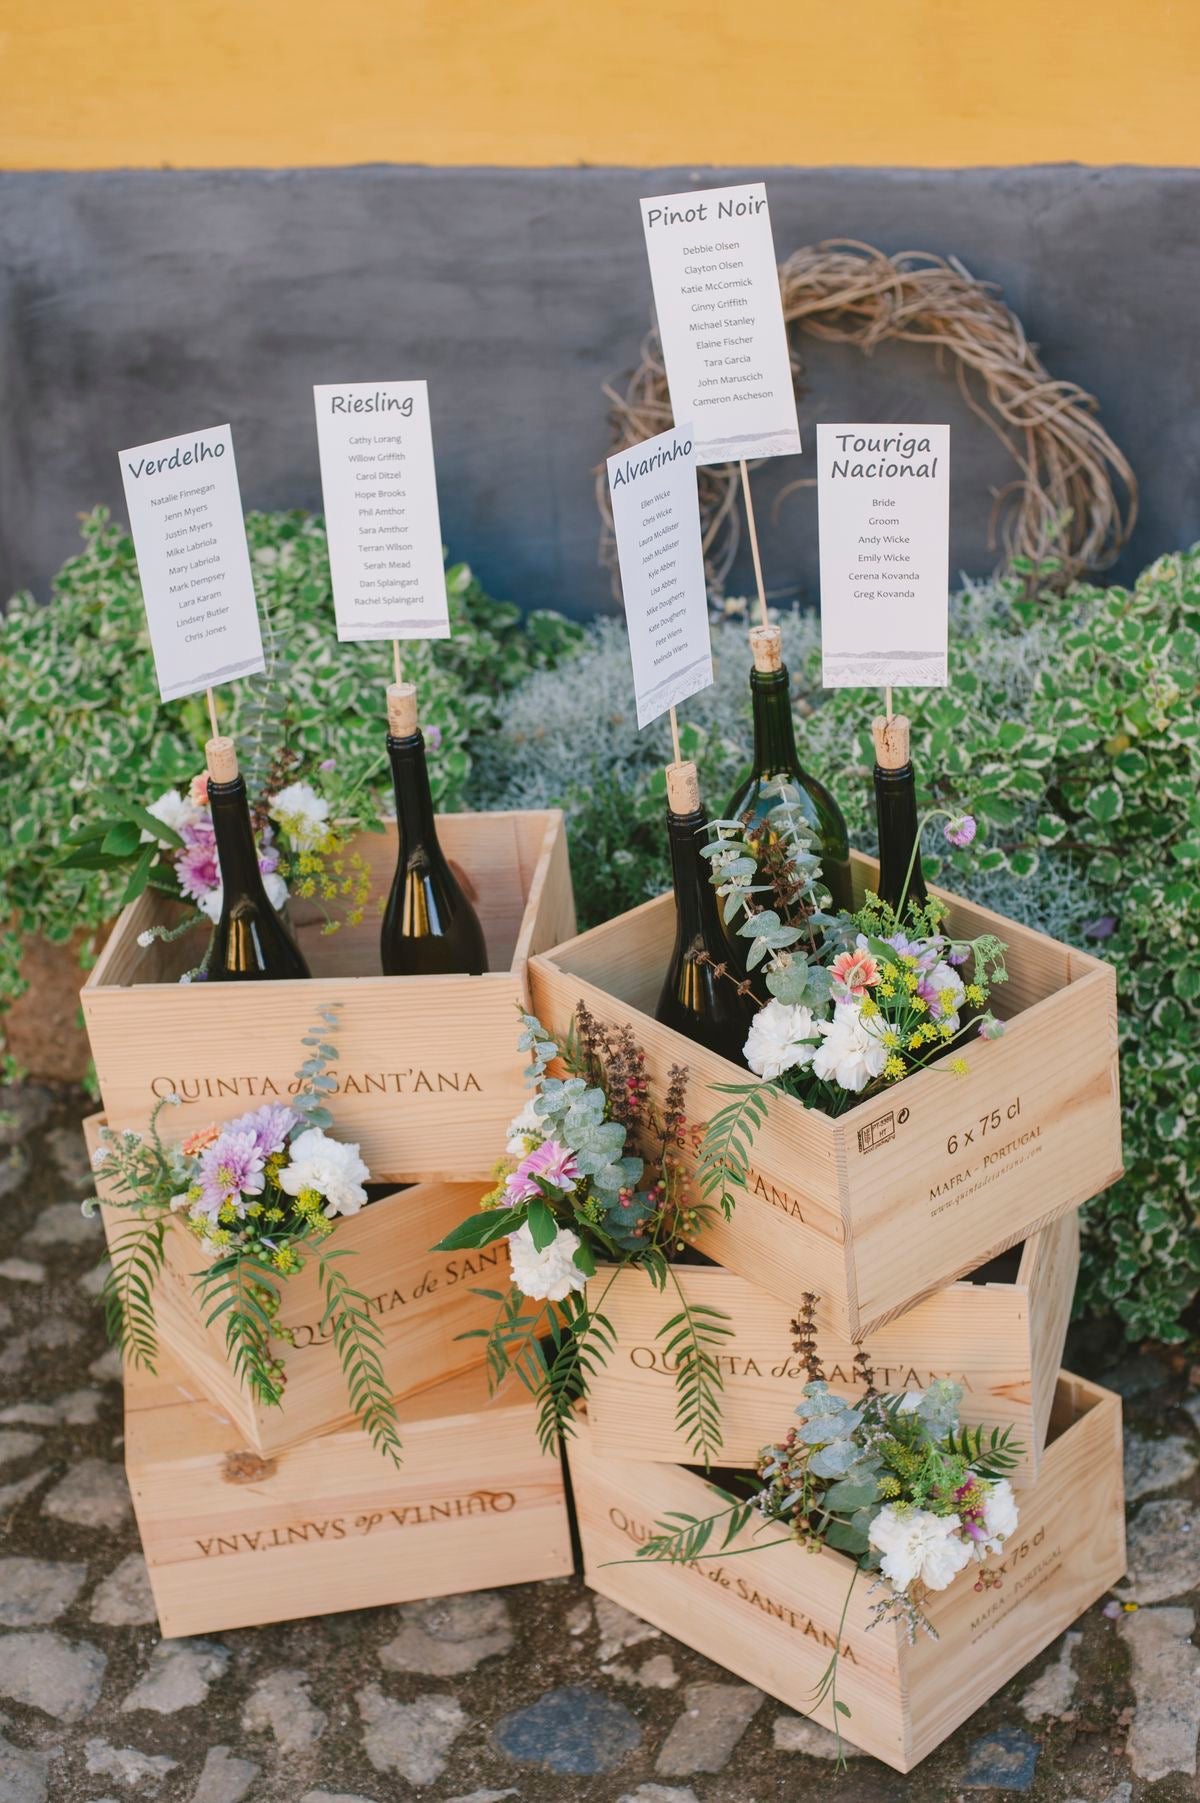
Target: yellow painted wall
column 90, row 84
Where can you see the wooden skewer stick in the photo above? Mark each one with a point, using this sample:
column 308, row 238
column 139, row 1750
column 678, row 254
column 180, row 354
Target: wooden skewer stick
column 396, row 659
column 675, row 736
column 212, row 715
column 758, row 575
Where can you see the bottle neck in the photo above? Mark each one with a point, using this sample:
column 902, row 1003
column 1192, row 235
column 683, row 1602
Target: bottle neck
column 774, row 732
column 695, row 898
column 237, row 853
column 896, row 813
column 410, row 781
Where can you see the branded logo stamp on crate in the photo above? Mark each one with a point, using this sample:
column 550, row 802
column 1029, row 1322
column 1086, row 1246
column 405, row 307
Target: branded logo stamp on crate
column 771, row 1614
column 897, row 1197
column 232, row 1540
column 1000, row 1335
column 429, row 1074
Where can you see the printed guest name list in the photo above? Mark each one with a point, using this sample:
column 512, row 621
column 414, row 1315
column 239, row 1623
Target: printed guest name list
column 656, row 518
column 883, row 503
column 720, row 318
column 185, row 513
column 381, row 510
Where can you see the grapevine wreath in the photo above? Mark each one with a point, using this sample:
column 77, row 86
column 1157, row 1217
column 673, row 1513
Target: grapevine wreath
column 1074, row 496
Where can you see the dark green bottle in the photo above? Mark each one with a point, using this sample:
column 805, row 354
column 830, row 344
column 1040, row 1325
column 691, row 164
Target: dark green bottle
column 775, row 755
column 429, row 926
column 251, row 941
column 694, row 999
column 896, row 814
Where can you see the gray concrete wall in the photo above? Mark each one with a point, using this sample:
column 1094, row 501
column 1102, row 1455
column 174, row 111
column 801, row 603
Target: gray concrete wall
column 137, row 304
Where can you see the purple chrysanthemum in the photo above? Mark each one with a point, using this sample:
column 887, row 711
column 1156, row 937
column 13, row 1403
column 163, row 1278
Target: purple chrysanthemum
column 960, row 830
column 196, row 865
column 231, row 1168
column 269, row 1124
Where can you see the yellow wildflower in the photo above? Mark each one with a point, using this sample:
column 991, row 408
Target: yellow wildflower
column 894, row 1067
column 959, row 1066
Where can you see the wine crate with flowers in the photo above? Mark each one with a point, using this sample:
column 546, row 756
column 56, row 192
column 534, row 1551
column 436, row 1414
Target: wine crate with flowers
column 878, row 1570
column 427, row 1077
column 233, row 1540
column 927, row 1090
column 999, row 1334
column 252, row 1253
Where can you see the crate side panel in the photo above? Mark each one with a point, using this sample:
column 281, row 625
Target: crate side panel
column 1053, row 1277
column 233, row 1541
column 947, row 1171
column 976, row 1335
column 1068, row 1549
column 770, row 1616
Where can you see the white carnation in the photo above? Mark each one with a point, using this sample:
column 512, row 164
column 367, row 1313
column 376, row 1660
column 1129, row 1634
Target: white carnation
column 548, row 1275
column 174, row 810
column 780, row 1039
column 525, row 1128
column 302, row 813
column 851, row 1054
column 328, row 1166
column 277, row 895
column 1000, row 1517
column 915, row 1543
column 949, row 994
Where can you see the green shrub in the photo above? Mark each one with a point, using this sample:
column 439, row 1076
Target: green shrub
column 1070, row 730
column 82, row 713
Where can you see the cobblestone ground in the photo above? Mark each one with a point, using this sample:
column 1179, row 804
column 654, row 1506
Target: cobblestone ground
column 534, row 1693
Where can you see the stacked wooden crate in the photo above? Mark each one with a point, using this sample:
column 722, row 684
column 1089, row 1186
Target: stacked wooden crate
column 252, row 1514
column 937, row 1226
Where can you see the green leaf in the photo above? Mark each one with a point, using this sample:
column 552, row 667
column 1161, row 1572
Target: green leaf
column 1105, row 803
column 122, row 840
column 481, row 1229
column 139, row 876
column 543, row 1229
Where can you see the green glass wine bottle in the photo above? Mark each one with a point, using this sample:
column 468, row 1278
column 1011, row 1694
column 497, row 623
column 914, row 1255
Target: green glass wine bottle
column 252, row 941
column 775, row 755
column 901, row 879
column 698, row 1002
column 429, row 926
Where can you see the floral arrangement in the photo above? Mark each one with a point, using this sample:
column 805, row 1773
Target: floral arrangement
column 891, row 1480
column 261, row 1196
column 592, row 1174
column 301, row 831
column 857, row 1002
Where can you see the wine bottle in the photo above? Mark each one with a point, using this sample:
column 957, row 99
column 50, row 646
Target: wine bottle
column 695, row 1000
column 775, row 755
column 896, row 813
column 252, row 942
column 429, row 926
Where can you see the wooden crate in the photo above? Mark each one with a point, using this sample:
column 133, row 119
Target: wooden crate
column 233, row 1540
column 907, row 1191
column 429, row 1074
column 1000, row 1334
column 423, row 1300
column 771, row 1615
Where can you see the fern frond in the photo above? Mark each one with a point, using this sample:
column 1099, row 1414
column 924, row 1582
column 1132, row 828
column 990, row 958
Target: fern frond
column 232, row 1289
column 724, row 1158
column 358, row 1341
column 681, row 1539
column 135, row 1261
column 693, row 1338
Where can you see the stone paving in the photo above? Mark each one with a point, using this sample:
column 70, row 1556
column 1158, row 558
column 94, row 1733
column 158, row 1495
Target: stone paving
column 530, row 1694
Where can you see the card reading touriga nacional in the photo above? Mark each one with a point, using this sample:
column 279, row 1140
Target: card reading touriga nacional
column 185, row 513
column 883, row 500
column 381, row 510
column 656, row 516
column 720, row 318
